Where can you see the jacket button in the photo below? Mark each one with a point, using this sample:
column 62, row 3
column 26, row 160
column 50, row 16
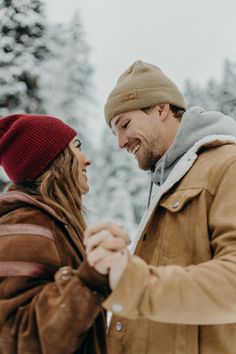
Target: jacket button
column 119, row 326
column 176, row 204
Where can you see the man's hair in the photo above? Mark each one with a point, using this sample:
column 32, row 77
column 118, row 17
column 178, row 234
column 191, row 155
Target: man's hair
column 59, row 188
column 177, row 111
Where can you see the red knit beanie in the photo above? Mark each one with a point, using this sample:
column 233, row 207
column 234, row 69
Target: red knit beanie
column 29, row 142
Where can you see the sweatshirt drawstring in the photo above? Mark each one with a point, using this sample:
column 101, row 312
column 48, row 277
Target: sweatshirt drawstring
column 150, row 195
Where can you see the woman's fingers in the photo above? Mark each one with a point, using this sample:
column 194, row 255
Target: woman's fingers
column 97, row 239
column 97, row 255
column 115, row 229
column 113, row 244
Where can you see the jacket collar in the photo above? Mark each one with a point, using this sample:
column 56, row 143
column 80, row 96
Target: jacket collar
column 15, row 198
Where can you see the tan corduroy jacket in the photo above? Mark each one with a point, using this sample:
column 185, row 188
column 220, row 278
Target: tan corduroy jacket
column 179, row 295
column 40, row 313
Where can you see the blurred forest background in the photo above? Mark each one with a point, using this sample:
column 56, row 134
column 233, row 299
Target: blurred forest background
column 46, row 69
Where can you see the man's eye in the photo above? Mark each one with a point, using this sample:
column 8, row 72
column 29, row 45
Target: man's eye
column 125, row 125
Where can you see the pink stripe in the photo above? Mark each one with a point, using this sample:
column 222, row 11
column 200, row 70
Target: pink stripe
column 25, row 229
column 26, row 269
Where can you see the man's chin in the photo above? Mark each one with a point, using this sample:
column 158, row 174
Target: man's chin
column 144, row 167
column 148, row 165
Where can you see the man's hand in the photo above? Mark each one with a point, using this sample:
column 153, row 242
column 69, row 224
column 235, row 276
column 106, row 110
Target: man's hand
column 106, row 247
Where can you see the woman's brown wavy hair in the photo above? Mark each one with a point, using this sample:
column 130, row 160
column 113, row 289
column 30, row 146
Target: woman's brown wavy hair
column 59, row 188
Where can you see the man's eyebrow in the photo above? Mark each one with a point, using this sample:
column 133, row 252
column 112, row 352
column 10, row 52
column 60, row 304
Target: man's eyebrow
column 116, row 121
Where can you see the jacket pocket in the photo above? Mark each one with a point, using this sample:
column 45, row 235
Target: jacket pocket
column 176, row 201
column 182, row 225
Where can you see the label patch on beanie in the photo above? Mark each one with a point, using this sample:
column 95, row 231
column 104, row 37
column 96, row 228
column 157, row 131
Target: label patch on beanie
column 128, row 95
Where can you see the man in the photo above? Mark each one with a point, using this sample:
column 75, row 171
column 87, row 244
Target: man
column 178, row 293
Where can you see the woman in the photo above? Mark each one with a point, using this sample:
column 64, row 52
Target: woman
column 50, row 299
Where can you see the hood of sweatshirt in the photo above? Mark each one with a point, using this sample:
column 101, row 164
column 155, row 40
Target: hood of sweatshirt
column 196, row 123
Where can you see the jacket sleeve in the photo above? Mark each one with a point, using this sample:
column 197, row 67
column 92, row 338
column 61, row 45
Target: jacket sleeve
column 42, row 314
column 196, row 294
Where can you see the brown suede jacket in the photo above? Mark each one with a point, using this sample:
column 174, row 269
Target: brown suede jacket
column 178, row 293
column 50, row 299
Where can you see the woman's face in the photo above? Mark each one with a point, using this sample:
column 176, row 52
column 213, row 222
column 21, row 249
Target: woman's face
column 83, row 163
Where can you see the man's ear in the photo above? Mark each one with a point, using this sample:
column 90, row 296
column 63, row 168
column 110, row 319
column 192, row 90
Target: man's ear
column 164, row 109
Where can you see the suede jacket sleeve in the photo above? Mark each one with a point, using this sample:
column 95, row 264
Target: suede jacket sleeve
column 204, row 293
column 44, row 307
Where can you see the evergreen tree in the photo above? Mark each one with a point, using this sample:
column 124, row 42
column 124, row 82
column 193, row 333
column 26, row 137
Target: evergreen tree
column 66, row 77
column 194, row 94
column 227, row 98
column 211, row 96
column 206, row 97
column 119, row 189
column 44, row 69
column 220, row 96
column 22, row 49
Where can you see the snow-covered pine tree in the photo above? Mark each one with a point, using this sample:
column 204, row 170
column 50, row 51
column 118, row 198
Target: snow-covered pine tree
column 66, row 77
column 22, row 49
column 220, row 96
column 206, row 97
column 119, row 190
column 227, row 97
column 194, row 94
column 211, row 95
column 64, row 84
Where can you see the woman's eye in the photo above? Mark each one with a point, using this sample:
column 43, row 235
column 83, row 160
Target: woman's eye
column 125, row 125
column 78, row 144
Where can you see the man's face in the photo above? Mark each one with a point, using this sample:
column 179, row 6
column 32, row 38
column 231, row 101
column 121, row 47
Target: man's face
column 142, row 135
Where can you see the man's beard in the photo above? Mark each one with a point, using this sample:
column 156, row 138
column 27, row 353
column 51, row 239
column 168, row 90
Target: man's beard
column 148, row 162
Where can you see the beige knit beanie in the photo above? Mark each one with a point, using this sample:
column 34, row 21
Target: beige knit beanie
column 142, row 85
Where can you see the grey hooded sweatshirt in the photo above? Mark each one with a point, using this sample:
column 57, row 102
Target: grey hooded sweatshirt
column 196, row 123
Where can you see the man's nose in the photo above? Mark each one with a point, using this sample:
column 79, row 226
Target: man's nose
column 122, row 141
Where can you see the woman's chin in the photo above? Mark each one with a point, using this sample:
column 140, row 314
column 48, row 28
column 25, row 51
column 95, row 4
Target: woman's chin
column 84, row 190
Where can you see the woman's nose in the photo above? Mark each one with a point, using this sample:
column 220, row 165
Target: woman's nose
column 87, row 161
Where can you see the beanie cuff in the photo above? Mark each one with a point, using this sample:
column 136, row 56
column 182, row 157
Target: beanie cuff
column 133, row 99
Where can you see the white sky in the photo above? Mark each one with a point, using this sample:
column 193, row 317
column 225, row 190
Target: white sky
column 185, row 38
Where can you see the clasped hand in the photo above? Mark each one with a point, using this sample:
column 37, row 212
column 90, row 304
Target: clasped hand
column 106, row 248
